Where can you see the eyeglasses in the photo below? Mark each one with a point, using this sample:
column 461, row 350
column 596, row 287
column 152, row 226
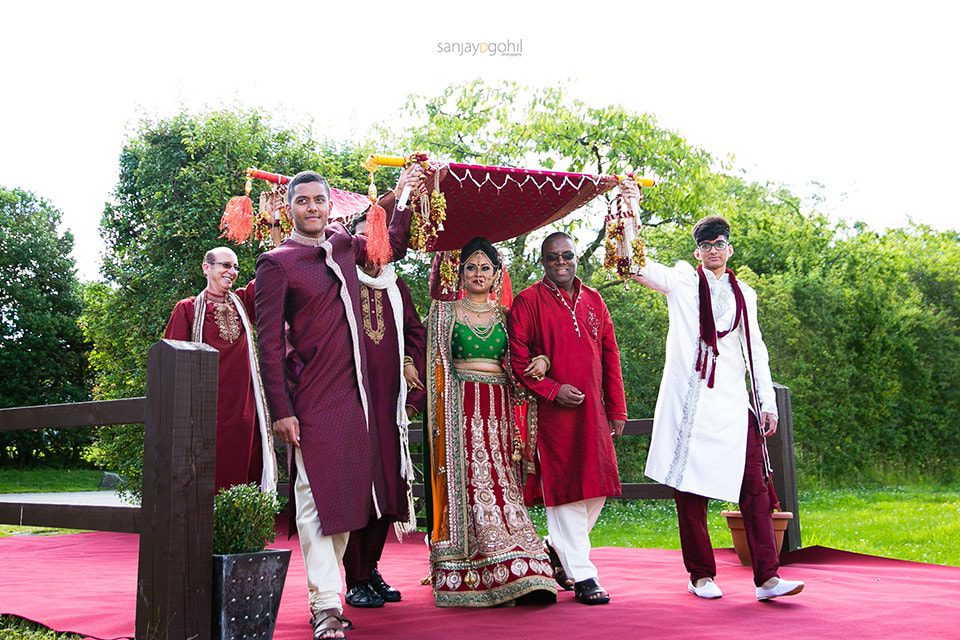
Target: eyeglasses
column 226, row 265
column 719, row 245
column 554, row 257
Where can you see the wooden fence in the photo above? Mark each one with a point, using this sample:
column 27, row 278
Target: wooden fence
column 175, row 519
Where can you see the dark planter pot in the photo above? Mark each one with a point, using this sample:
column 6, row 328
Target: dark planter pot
column 246, row 593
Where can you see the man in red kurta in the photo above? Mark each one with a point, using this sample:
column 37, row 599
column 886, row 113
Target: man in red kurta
column 395, row 341
column 225, row 325
column 580, row 404
column 307, row 299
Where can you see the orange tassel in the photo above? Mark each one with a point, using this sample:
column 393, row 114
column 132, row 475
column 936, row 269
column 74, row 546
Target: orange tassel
column 378, row 241
column 237, row 220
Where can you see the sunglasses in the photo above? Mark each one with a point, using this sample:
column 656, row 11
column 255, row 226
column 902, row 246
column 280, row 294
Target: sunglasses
column 227, row 265
column 553, row 257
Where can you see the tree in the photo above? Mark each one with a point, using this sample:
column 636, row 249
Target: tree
column 505, row 124
column 42, row 350
column 863, row 327
column 176, row 175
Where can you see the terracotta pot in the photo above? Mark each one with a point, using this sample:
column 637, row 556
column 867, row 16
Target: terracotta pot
column 735, row 521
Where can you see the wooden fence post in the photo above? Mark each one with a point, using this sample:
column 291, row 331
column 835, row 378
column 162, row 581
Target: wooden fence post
column 780, row 447
column 176, row 527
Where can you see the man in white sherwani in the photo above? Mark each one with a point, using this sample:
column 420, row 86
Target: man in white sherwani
column 707, row 441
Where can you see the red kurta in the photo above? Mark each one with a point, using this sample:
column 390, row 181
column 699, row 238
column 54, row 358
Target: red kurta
column 383, row 356
column 307, row 298
column 576, row 458
column 239, row 458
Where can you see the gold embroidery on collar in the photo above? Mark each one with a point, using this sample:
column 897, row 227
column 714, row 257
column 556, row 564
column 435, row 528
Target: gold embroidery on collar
column 375, row 335
column 227, row 319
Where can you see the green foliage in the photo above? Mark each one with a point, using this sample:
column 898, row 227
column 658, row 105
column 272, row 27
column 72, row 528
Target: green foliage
column 243, row 519
column 176, row 175
column 14, row 628
column 862, row 327
column 41, row 346
column 505, row 124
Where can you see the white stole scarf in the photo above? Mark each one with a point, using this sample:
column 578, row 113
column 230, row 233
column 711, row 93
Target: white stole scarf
column 268, row 479
column 387, row 280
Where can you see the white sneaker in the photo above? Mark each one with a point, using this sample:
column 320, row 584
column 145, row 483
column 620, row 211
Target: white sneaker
column 780, row 588
column 708, row 590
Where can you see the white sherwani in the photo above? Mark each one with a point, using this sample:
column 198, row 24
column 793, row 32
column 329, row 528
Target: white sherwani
column 699, row 433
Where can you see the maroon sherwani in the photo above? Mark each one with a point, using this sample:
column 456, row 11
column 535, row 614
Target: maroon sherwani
column 576, row 458
column 238, row 455
column 383, row 357
column 307, row 297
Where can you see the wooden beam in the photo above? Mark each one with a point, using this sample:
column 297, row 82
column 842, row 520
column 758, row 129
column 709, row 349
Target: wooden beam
column 645, row 491
column 631, row 428
column 71, row 516
column 74, row 415
column 780, row 448
column 176, row 538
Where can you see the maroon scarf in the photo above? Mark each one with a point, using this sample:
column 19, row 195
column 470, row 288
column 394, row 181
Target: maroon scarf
column 708, row 350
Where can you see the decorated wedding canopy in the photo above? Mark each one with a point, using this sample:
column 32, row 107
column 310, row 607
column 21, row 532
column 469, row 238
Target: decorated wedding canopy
column 455, row 202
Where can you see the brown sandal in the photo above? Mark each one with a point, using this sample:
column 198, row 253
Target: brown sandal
column 324, row 630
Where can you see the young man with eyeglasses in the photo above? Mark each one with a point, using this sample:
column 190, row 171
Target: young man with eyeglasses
column 581, row 409
column 709, row 427
column 224, row 320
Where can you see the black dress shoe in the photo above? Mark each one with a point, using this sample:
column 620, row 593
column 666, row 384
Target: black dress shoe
column 385, row 591
column 363, row 596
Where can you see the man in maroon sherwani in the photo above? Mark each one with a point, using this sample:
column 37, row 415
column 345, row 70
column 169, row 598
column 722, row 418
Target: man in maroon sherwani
column 307, row 298
column 395, row 357
column 225, row 325
column 581, row 408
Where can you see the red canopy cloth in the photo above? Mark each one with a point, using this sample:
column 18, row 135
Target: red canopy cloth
column 500, row 203
column 497, row 203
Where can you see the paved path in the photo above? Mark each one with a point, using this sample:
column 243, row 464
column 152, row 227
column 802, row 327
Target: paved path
column 99, row 498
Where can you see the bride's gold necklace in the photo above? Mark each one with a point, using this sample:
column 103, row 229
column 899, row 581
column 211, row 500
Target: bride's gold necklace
column 479, row 308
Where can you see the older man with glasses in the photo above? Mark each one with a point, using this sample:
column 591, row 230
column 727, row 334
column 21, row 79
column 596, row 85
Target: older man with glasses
column 580, row 409
column 223, row 319
column 708, row 428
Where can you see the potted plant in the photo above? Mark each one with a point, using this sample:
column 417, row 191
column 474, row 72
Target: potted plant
column 247, row 579
column 735, row 521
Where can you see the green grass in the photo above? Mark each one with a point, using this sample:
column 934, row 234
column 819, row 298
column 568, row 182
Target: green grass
column 45, row 481
column 49, row 480
column 13, row 628
column 918, row 523
column 911, row 523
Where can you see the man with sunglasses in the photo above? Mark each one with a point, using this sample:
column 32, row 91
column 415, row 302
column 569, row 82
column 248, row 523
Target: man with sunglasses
column 223, row 319
column 708, row 427
column 581, row 409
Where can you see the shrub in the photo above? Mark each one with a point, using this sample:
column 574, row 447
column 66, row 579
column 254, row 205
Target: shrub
column 243, row 519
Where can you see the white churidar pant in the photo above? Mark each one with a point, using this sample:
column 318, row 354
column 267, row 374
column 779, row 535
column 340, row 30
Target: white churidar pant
column 322, row 555
column 569, row 526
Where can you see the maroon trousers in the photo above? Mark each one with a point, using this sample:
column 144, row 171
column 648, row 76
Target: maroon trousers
column 757, row 520
column 363, row 551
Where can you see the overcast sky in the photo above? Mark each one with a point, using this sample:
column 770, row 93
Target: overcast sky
column 859, row 97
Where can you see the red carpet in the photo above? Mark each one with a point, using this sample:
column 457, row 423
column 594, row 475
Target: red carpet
column 85, row 583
